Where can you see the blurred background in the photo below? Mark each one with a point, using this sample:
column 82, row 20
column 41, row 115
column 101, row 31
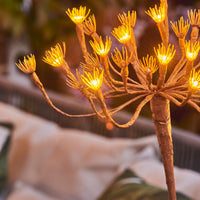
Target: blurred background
column 33, row 26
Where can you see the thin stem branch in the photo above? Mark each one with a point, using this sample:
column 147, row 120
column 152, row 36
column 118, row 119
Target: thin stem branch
column 122, row 106
column 177, row 69
column 38, row 83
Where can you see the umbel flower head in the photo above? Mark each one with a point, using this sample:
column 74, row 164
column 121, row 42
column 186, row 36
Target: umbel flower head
column 94, row 81
column 194, row 81
column 78, row 15
column 148, row 64
column 90, row 25
column 192, row 50
column 28, row 66
column 55, row 56
column 92, row 61
column 128, row 18
column 121, row 59
column 122, row 33
column 194, row 17
column 100, row 48
column 164, row 54
column 180, row 28
column 157, row 14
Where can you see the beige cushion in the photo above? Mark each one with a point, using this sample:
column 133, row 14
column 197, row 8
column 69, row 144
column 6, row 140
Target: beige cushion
column 68, row 163
column 25, row 192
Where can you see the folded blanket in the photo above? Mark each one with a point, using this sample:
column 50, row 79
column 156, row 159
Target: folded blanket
column 65, row 162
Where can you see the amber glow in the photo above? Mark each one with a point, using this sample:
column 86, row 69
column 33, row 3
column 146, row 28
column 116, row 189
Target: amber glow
column 157, row 14
column 94, row 81
column 192, row 50
column 164, row 54
column 194, row 80
column 77, row 15
column 109, row 126
column 100, row 48
column 28, row 66
column 122, row 33
column 55, row 56
column 135, row 89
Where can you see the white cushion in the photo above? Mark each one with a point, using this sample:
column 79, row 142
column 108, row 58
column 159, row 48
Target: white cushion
column 68, row 163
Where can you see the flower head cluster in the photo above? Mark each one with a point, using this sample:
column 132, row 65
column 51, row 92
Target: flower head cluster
column 194, row 81
column 148, row 64
column 93, row 60
column 100, row 48
column 121, row 59
column 55, row 56
column 128, row 19
column 78, row 15
column 180, row 28
column 28, row 66
column 94, row 81
column 122, row 33
column 164, row 54
column 192, row 50
column 194, row 17
column 90, row 25
column 157, row 14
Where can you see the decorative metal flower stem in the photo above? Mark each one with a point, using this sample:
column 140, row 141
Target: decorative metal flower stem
column 160, row 108
column 180, row 87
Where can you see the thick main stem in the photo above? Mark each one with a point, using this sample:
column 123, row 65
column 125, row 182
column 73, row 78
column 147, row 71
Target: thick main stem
column 160, row 108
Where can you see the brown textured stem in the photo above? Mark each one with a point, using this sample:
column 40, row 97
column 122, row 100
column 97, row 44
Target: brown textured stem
column 124, row 74
column 163, row 33
column 38, row 83
column 188, row 69
column 135, row 62
column 95, row 36
column 160, row 108
column 182, row 45
column 81, row 39
column 194, row 34
column 162, row 74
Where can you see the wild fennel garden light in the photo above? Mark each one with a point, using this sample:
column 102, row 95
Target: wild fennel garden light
column 181, row 86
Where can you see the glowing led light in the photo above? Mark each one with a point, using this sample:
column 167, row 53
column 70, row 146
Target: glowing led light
column 194, row 81
column 192, row 50
column 157, row 14
column 164, row 54
column 77, row 15
column 55, row 56
column 122, row 33
column 126, row 37
column 94, row 81
column 100, row 48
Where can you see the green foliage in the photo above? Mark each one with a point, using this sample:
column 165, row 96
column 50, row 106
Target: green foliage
column 130, row 187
